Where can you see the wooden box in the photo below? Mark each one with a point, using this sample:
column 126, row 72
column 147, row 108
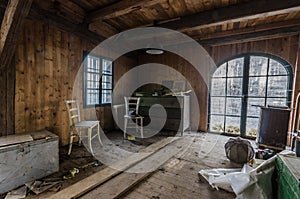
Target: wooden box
column 273, row 128
column 288, row 175
column 26, row 157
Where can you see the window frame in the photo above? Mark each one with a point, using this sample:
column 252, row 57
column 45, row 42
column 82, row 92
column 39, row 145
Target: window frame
column 246, row 76
column 85, row 72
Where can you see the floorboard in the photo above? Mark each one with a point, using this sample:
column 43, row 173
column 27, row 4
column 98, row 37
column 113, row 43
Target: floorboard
column 172, row 170
column 178, row 178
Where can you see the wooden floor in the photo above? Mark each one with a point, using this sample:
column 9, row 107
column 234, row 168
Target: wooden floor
column 172, row 169
column 178, row 176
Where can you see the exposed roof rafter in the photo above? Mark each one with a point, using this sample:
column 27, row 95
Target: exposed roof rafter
column 248, row 30
column 120, row 8
column 234, row 13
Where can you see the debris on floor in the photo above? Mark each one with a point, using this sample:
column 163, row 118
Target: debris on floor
column 18, row 193
column 39, row 186
column 243, row 182
column 95, row 163
column 130, row 137
column 71, row 174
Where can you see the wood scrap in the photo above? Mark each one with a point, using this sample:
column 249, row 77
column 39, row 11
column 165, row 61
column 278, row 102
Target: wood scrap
column 38, row 187
column 17, row 193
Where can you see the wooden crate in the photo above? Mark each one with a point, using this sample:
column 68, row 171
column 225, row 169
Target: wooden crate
column 26, row 157
column 288, row 172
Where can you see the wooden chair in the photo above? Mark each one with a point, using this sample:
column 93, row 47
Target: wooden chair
column 77, row 126
column 132, row 114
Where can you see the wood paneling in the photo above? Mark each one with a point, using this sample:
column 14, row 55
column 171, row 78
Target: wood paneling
column 192, row 76
column 47, row 62
column 284, row 47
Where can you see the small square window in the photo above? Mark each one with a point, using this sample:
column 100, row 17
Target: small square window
column 98, row 80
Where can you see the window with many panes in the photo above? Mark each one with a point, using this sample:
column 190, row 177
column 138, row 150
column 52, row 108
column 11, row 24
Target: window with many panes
column 98, row 80
column 241, row 85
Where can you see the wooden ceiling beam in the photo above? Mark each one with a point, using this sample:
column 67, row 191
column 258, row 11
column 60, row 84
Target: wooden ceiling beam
column 234, row 13
column 102, row 28
column 15, row 12
column 247, row 30
column 81, row 30
column 120, row 8
column 251, row 36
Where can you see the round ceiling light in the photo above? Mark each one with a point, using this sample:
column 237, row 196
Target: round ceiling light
column 153, row 51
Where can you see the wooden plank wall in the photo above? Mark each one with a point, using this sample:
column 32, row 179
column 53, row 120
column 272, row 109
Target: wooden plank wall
column 47, row 61
column 284, row 47
column 192, row 76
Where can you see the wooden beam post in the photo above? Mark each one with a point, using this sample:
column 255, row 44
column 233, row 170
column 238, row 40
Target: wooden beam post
column 15, row 12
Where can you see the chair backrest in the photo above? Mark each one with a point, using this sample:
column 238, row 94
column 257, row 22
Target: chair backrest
column 132, row 104
column 73, row 111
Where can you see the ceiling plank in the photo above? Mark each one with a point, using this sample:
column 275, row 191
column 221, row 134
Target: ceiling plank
column 234, row 13
column 251, row 36
column 81, row 30
column 246, row 30
column 120, row 8
column 102, row 28
column 15, row 12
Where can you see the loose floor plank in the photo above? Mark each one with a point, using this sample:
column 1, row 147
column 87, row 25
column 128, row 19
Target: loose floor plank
column 131, row 177
column 78, row 189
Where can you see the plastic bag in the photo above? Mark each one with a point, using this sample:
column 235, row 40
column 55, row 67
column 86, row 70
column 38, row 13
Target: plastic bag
column 246, row 183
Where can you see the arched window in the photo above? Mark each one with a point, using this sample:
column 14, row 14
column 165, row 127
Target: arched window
column 240, row 85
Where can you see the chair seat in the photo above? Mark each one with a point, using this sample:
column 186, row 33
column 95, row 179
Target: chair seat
column 133, row 116
column 86, row 124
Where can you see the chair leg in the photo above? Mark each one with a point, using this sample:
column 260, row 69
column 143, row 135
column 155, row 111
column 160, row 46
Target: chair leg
column 98, row 132
column 136, row 125
column 71, row 143
column 125, row 127
column 142, row 131
column 90, row 140
column 79, row 136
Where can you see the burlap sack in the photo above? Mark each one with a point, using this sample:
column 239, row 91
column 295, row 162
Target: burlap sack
column 239, row 150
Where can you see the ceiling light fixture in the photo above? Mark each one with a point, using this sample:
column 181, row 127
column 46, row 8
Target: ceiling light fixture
column 153, row 51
